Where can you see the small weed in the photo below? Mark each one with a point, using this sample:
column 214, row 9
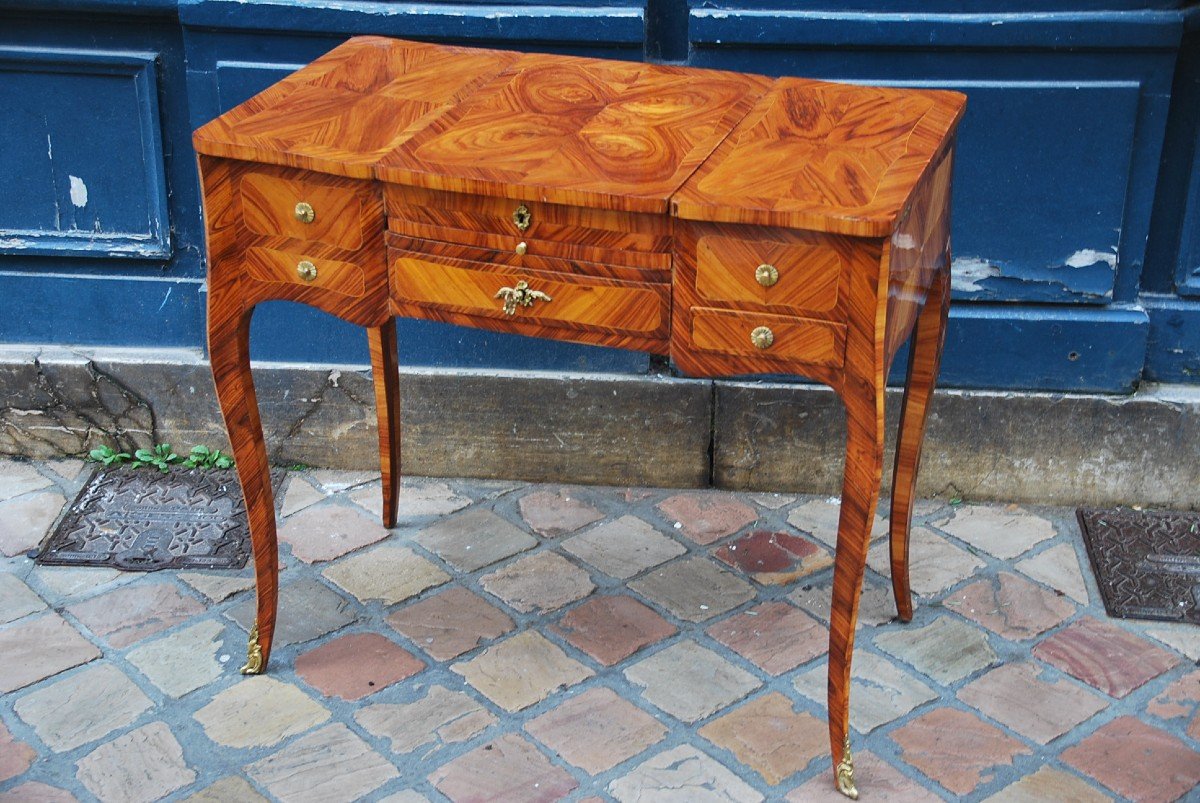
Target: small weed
column 108, row 456
column 162, row 457
column 955, row 501
column 204, row 457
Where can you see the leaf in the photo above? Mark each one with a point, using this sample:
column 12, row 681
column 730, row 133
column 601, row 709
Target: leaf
column 143, row 455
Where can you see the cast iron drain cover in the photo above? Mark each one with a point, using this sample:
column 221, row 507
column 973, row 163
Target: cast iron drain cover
column 1146, row 564
column 145, row 520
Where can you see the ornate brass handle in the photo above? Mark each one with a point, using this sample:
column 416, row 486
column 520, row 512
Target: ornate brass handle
column 766, row 275
column 522, row 217
column 520, row 296
column 305, row 213
column 762, row 337
column 306, row 270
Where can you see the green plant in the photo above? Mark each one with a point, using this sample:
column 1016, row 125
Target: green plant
column 161, row 458
column 108, row 456
column 204, row 457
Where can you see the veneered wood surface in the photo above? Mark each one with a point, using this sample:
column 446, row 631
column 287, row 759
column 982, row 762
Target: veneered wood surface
column 282, row 267
column 583, row 132
column 348, row 108
column 822, row 156
column 801, row 341
column 385, row 369
column 269, row 208
column 809, row 273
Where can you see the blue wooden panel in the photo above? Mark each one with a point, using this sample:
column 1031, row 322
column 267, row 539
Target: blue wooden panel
column 83, row 160
column 1173, row 352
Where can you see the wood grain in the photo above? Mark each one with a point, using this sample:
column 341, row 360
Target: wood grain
column 796, row 341
column 385, row 369
column 269, row 208
column 808, row 273
column 281, row 267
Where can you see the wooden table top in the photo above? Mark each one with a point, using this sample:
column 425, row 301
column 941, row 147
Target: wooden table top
column 702, row 144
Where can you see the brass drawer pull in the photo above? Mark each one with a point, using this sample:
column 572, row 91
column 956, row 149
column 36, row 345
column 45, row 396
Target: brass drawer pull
column 306, row 270
column 762, row 337
column 305, row 213
column 520, row 296
column 766, row 275
column 522, row 217
column 522, row 248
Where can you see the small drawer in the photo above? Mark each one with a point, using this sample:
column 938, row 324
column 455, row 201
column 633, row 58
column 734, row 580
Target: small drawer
column 519, row 296
column 302, row 208
column 779, row 337
column 290, row 268
column 802, row 277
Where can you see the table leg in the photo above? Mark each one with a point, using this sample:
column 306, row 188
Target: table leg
column 386, row 372
column 923, row 361
column 860, row 492
column 229, row 352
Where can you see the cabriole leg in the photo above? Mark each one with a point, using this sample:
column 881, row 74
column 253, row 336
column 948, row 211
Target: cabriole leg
column 385, row 371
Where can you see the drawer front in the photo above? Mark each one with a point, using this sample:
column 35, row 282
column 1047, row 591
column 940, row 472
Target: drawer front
column 501, row 292
column 305, row 208
column 290, row 268
column 799, row 276
column 749, row 334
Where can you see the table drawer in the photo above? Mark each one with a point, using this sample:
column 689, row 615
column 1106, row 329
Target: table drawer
column 291, row 268
column 303, row 206
column 518, row 295
column 781, row 337
column 802, row 277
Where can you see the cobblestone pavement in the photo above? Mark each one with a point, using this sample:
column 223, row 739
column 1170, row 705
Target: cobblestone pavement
column 517, row 642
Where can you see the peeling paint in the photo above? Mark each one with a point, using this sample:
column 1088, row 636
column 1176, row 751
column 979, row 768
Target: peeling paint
column 905, row 241
column 967, row 272
column 1086, row 257
column 79, row 193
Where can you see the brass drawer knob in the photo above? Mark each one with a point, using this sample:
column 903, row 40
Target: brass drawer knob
column 305, row 213
column 306, row 270
column 521, row 217
column 766, row 275
column 520, row 296
column 762, row 337
column 521, row 249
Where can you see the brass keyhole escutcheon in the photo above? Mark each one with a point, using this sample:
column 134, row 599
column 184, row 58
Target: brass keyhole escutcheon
column 522, row 217
column 305, row 213
column 522, row 248
column 306, row 270
column 762, row 337
column 766, row 275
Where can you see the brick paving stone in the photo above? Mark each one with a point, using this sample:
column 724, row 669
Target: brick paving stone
column 1182, row 637
column 259, row 711
column 353, row 666
column 25, row 520
column 773, row 558
column 624, row 547
column 82, row 707
column 300, row 494
column 130, row 613
column 67, row 581
column 18, row 478
column 388, row 573
column 407, row 796
column 694, row 589
column 819, row 518
column 552, row 514
column 768, row 735
column 1180, row 700
column 417, row 499
column 37, row 647
column 142, row 766
column 772, row 501
column 708, row 516
column 682, row 775
column 336, row 481
column 227, row 790
column 15, row 755
column 775, row 636
column 1058, row 567
column 690, row 682
column 325, row 532
column 1005, row 532
column 1010, row 606
column 1049, row 783
column 17, row 599
column 329, row 764
column 474, row 539
column 218, row 587
column 875, row 607
column 451, row 622
column 873, row 776
column 1104, row 656
column 612, row 628
column 880, row 691
column 1042, row 710
column 934, row 563
column 183, row 661
column 1137, row 761
column 956, row 749
column 37, row 792
column 596, row 730
column 541, row 582
column 520, row 671
column 307, row 610
column 946, row 649
column 439, row 718
column 506, row 770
